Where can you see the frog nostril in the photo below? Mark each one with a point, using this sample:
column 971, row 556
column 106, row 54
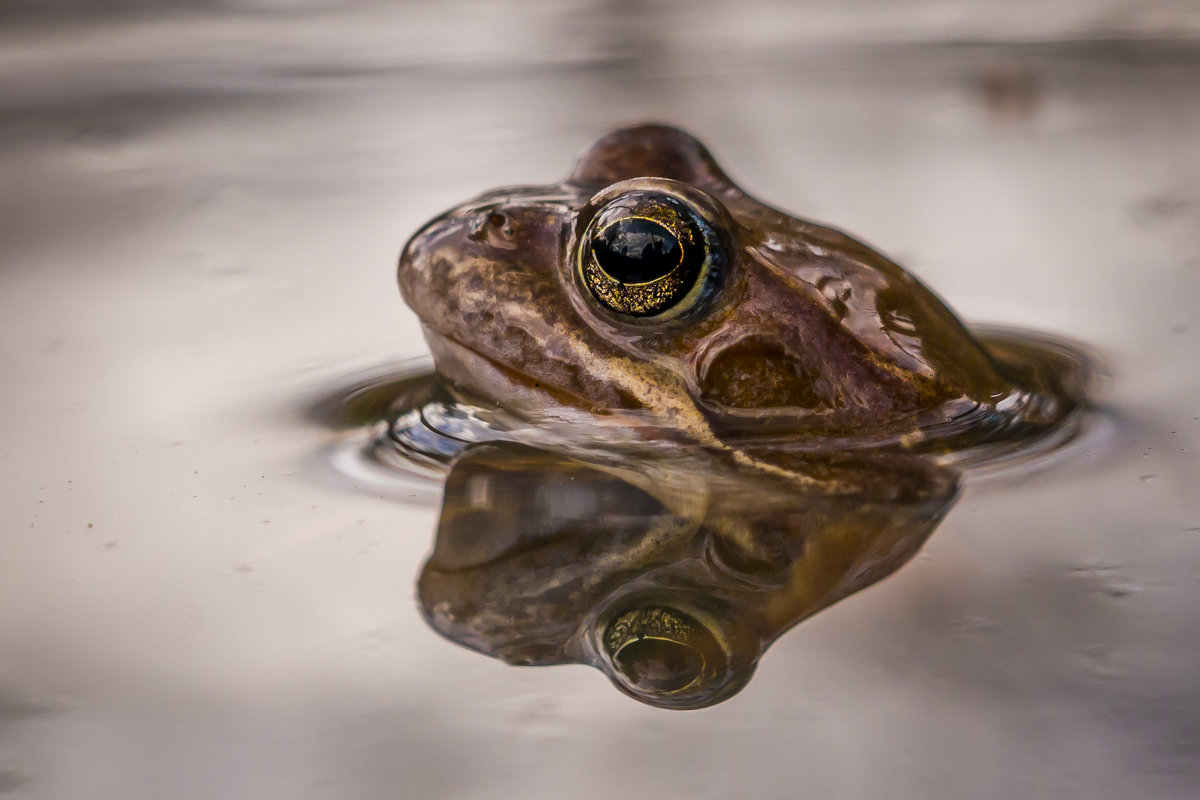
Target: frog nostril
column 493, row 226
column 500, row 224
column 837, row 292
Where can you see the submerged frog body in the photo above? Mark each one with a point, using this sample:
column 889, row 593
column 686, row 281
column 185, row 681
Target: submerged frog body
column 647, row 285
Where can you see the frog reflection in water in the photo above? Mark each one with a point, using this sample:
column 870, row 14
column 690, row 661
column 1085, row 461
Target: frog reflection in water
column 670, row 572
column 755, row 415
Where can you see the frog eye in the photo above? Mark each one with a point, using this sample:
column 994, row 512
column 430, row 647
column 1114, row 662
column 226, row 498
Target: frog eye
column 646, row 253
column 674, row 658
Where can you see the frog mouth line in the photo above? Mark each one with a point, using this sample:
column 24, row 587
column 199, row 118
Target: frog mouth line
column 1054, row 372
column 455, row 350
column 428, row 423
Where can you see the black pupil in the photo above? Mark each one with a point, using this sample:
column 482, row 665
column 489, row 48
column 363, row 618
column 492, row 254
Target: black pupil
column 636, row 250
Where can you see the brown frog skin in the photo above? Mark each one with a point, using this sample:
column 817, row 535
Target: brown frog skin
column 790, row 325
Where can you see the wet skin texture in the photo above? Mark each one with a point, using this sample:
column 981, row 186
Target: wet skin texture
column 774, row 324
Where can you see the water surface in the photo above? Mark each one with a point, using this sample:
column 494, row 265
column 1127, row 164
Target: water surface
column 199, row 218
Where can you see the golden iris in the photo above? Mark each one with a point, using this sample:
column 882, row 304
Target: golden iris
column 642, row 253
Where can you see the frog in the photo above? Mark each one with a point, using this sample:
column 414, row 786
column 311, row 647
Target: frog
column 675, row 421
column 649, row 289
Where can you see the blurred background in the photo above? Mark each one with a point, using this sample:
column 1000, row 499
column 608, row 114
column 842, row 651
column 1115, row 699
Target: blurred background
column 201, row 205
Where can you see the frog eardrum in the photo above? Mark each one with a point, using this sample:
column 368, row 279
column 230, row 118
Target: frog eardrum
column 648, row 254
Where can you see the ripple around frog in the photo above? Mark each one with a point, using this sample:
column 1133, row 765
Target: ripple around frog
column 407, row 426
column 668, row 566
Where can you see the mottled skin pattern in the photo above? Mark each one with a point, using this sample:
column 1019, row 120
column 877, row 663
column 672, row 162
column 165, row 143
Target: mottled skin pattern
column 809, row 331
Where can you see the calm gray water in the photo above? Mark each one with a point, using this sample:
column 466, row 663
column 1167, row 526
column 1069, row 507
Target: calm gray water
column 199, row 217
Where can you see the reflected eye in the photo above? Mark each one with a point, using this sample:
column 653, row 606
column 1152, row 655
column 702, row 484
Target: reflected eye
column 657, row 652
column 645, row 253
